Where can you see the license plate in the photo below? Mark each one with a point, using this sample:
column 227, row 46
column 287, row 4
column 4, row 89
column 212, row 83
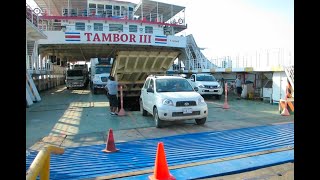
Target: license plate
column 187, row 110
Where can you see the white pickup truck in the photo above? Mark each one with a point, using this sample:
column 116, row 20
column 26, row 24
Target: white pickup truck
column 206, row 84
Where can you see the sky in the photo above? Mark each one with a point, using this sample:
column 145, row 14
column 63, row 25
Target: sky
column 228, row 27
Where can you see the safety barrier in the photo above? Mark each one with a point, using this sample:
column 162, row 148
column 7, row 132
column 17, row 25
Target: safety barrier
column 286, row 106
column 32, row 93
column 41, row 164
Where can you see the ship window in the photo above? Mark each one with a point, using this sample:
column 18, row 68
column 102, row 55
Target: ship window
column 124, row 11
column 130, row 13
column 100, row 10
column 98, row 26
column 149, row 29
column 116, row 10
column 115, row 27
column 92, row 9
column 92, row 5
column 109, row 10
column 80, row 26
column 133, row 28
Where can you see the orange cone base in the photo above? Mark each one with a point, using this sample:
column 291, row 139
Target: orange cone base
column 285, row 112
column 152, row 177
column 121, row 112
column 225, row 106
column 110, row 151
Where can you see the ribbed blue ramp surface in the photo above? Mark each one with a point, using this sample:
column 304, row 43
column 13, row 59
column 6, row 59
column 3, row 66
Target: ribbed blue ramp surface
column 90, row 161
column 226, row 167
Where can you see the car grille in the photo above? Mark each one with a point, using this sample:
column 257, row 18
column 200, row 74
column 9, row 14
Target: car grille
column 210, row 87
column 177, row 114
column 186, row 103
column 104, row 79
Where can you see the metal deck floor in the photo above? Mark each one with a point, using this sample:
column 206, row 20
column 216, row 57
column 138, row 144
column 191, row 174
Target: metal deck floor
column 90, row 161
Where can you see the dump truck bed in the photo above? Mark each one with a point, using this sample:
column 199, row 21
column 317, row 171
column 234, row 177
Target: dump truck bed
column 131, row 68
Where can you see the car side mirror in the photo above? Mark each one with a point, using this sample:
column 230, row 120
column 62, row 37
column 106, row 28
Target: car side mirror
column 150, row 90
column 196, row 88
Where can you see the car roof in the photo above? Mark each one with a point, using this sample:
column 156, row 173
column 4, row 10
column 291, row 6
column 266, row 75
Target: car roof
column 166, row 77
column 204, row 75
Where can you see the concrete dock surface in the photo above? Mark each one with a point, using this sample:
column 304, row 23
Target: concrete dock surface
column 76, row 117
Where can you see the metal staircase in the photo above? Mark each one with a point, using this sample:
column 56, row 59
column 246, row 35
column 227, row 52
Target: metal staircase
column 194, row 57
column 30, row 45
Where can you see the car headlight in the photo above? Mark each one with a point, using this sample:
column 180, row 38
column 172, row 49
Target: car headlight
column 218, row 86
column 167, row 102
column 201, row 100
column 96, row 79
column 201, row 86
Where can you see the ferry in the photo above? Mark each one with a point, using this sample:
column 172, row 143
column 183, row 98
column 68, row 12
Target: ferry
column 142, row 38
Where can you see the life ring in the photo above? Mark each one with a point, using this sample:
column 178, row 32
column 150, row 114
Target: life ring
column 180, row 21
column 37, row 10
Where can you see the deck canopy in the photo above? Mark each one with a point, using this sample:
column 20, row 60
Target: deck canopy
column 147, row 7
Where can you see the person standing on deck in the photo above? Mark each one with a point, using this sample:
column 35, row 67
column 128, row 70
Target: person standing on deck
column 238, row 84
column 112, row 87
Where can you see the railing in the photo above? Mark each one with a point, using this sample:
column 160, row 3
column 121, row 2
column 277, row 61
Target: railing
column 31, row 16
column 262, row 59
column 41, row 164
column 258, row 59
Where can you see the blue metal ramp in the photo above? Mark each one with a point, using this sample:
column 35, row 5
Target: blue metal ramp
column 90, row 161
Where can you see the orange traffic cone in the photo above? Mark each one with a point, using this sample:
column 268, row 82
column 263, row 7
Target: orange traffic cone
column 161, row 171
column 225, row 104
column 110, row 146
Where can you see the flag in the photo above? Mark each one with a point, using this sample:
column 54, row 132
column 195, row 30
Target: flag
column 160, row 39
column 72, row 36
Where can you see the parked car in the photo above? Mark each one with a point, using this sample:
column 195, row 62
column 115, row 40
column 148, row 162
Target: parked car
column 206, row 84
column 171, row 98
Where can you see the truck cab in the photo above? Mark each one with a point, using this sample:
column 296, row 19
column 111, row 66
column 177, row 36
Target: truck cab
column 206, row 84
column 99, row 73
column 76, row 78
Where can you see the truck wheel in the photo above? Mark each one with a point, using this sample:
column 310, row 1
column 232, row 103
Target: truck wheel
column 201, row 121
column 156, row 118
column 218, row 97
column 143, row 112
column 68, row 88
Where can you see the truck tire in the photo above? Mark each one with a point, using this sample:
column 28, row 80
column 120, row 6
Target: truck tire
column 143, row 112
column 201, row 121
column 157, row 121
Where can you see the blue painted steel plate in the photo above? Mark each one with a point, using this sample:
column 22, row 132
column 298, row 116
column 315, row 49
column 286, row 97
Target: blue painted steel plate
column 90, row 161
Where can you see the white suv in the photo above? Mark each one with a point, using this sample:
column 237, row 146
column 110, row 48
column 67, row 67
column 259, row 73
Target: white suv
column 171, row 98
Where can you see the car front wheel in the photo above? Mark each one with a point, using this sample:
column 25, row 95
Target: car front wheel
column 201, row 121
column 156, row 118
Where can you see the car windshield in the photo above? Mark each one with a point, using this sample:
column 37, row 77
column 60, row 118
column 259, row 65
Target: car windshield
column 206, row 78
column 173, row 85
column 100, row 70
column 74, row 73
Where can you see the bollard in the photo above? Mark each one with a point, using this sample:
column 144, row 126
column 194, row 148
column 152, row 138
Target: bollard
column 225, row 104
column 121, row 112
